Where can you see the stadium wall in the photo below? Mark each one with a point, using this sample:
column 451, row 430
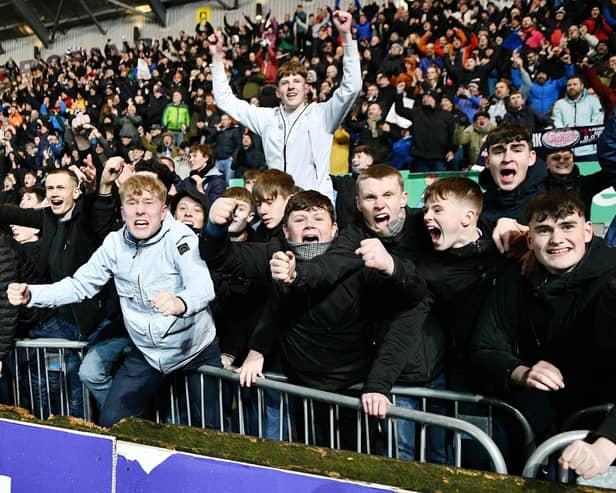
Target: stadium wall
column 178, row 19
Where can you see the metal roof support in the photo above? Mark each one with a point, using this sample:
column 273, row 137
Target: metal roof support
column 160, row 11
column 235, row 5
column 91, row 14
column 129, row 7
column 32, row 20
column 56, row 19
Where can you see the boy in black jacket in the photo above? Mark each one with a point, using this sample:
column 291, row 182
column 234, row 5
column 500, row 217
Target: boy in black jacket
column 460, row 269
column 545, row 337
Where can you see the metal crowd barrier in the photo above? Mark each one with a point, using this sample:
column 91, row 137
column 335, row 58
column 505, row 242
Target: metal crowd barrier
column 483, row 422
column 582, row 415
column 40, row 380
column 307, row 398
column 540, row 458
column 554, row 444
column 36, row 360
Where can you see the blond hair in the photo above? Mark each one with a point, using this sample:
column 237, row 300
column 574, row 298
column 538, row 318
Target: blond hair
column 137, row 184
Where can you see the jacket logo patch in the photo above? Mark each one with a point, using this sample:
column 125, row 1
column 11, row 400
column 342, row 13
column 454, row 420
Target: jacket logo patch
column 183, row 248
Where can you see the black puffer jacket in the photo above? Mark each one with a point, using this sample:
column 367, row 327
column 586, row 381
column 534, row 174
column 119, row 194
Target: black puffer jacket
column 15, row 266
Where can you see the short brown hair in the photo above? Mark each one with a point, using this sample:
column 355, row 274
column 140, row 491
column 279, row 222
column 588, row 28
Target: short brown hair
column 507, row 133
column 251, row 174
column 207, row 152
column 139, row 183
column 366, row 150
column 272, row 183
column 460, row 187
column 307, row 200
column 239, row 193
column 556, row 205
column 38, row 191
column 65, row 171
column 378, row 172
column 204, row 149
column 291, row 68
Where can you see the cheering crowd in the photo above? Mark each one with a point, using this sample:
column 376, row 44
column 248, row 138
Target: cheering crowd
column 122, row 227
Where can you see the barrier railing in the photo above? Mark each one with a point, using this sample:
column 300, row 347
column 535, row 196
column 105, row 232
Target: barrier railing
column 42, row 377
column 540, row 458
column 457, row 398
column 336, row 404
column 554, row 444
column 583, row 414
column 41, row 383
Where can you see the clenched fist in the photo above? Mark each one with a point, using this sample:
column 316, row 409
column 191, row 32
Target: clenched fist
column 18, row 293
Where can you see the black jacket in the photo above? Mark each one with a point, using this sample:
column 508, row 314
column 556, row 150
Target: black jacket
column 585, row 187
column 498, row 203
column 528, row 117
column 460, row 280
column 82, row 237
column 567, row 320
column 432, row 130
column 242, row 291
column 346, row 210
column 324, row 331
column 409, row 342
column 15, row 266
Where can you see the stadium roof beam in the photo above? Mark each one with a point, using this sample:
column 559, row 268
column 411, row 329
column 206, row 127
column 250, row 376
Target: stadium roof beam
column 235, row 5
column 130, row 8
column 160, row 11
column 91, row 14
column 32, row 20
column 56, row 19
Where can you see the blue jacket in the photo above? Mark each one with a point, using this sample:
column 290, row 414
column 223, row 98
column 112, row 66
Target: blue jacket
column 168, row 261
column 540, row 96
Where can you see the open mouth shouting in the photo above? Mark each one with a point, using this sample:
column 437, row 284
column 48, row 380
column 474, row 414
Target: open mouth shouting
column 56, row 203
column 435, row 234
column 507, row 176
column 381, row 220
column 310, row 237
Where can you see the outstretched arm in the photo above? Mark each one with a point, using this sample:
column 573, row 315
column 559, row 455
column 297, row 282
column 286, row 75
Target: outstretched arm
column 337, row 107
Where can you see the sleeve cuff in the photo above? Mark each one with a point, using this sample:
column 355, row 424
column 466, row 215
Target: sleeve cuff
column 215, row 230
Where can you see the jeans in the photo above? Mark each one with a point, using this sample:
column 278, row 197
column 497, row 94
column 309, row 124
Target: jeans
column 50, row 365
column 137, row 385
column 275, row 423
column 224, row 166
column 231, row 405
column 98, row 364
column 406, row 433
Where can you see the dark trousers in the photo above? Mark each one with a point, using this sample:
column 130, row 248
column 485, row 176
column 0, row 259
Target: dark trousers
column 137, row 386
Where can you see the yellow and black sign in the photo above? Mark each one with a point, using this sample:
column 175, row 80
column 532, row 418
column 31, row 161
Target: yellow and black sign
column 204, row 14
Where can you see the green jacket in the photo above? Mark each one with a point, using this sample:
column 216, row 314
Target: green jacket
column 175, row 116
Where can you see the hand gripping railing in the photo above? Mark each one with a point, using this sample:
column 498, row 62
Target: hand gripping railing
column 547, row 448
column 337, row 400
